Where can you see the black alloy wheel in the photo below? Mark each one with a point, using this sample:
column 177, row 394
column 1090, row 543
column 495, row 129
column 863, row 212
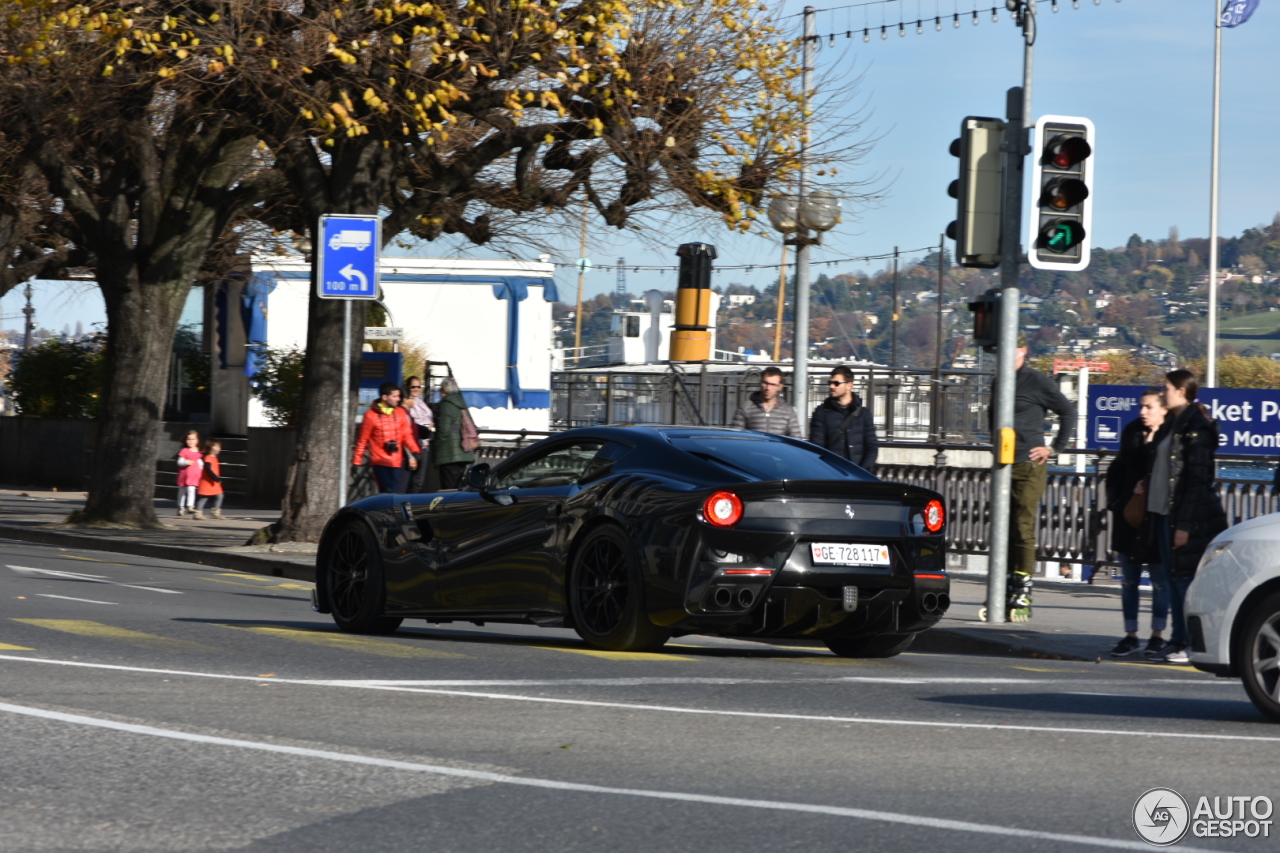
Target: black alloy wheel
column 1260, row 663
column 606, row 594
column 353, row 576
column 877, row 646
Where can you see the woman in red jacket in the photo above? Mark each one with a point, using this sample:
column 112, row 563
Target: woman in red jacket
column 387, row 433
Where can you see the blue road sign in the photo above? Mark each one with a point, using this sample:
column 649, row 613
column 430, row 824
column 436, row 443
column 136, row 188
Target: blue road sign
column 347, row 258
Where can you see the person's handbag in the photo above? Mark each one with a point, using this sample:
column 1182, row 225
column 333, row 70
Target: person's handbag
column 1136, row 509
column 467, row 433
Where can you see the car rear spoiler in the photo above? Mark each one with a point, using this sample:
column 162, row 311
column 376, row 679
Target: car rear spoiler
column 846, row 489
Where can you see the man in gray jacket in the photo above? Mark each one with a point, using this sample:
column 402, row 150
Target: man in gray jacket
column 765, row 411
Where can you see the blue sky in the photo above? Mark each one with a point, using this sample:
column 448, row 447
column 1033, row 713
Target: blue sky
column 1142, row 70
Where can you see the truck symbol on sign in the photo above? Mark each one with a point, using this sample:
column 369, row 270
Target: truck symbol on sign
column 359, row 240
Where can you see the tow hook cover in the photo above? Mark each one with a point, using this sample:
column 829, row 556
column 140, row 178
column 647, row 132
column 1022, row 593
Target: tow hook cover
column 850, row 599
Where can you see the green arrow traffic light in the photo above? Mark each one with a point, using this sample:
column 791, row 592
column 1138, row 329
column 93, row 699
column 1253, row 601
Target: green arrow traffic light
column 1061, row 236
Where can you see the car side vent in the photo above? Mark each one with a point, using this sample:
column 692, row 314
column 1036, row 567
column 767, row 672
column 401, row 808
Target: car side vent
column 1196, row 630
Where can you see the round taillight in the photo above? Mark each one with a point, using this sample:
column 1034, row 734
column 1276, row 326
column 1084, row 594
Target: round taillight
column 722, row 509
column 934, row 516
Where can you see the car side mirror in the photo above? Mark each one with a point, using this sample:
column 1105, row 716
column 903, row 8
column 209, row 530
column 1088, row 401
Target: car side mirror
column 479, row 477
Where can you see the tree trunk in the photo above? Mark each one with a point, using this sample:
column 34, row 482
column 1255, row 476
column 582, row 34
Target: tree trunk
column 311, row 491
column 143, row 319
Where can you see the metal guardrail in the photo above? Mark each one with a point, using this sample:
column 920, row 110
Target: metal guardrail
column 909, row 405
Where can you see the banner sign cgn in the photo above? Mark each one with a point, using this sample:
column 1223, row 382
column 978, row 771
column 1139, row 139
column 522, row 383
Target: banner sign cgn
column 1248, row 418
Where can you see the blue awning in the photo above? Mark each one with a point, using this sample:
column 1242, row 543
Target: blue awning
column 514, row 288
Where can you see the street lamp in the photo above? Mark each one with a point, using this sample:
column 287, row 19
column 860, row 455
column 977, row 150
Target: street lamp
column 795, row 216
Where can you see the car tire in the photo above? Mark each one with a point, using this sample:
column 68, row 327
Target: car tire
column 1260, row 656
column 877, row 646
column 606, row 594
column 354, row 582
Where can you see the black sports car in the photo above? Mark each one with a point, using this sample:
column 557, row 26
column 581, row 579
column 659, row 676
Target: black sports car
column 632, row 535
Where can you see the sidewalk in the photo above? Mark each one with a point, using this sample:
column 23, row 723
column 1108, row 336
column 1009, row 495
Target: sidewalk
column 37, row 516
column 1072, row 621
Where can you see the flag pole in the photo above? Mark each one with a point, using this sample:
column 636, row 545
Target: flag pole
column 1211, row 363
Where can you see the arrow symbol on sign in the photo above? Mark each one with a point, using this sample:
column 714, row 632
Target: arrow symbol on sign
column 349, row 272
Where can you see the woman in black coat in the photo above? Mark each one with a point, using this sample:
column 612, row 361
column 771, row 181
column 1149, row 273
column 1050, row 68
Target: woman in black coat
column 1124, row 479
column 1181, row 494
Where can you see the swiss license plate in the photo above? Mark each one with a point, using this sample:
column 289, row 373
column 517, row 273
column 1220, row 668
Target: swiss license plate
column 848, row 554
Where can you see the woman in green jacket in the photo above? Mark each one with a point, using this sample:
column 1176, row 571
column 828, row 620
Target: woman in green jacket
column 447, row 453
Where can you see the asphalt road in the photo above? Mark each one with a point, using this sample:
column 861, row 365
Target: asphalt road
column 168, row 707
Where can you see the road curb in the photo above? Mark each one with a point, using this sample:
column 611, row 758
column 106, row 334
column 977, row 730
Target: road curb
column 238, row 562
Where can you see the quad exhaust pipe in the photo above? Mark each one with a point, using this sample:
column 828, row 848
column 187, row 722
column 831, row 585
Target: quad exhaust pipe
column 733, row 598
column 932, row 602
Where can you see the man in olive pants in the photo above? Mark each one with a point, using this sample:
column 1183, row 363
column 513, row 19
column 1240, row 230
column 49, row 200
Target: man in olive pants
column 1035, row 396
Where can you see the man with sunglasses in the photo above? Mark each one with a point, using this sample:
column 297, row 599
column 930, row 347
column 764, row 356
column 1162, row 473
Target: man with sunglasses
column 843, row 425
column 765, row 411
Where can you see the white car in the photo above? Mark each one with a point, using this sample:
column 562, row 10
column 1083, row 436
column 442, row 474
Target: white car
column 1233, row 609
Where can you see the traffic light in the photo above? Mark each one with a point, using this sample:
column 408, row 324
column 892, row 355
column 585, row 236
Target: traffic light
column 1062, row 180
column 986, row 319
column 978, row 192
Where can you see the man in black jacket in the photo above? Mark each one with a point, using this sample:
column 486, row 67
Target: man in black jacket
column 843, row 425
column 1035, row 395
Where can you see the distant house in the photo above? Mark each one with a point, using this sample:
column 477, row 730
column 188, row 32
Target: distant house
column 738, row 299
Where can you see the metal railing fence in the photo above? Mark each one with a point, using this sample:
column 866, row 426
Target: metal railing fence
column 909, row 405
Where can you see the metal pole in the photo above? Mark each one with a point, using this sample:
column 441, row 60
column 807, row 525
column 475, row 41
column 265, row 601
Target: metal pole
column 1018, row 110
column 1211, row 363
column 936, row 407
column 582, row 274
column 893, row 319
column 29, row 327
column 782, row 302
column 344, row 439
column 1082, row 416
column 800, row 379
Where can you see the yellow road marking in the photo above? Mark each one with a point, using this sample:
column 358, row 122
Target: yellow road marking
column 91, row 560
column 254, row 585
column 346, row 642
column 8, row 648
column 1041, row 669
column 1167, row 667
column 596, row 653
column 828, row 661
column 266, row 581
column 99, row 631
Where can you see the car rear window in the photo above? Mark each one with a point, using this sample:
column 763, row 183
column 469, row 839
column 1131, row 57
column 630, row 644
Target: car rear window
column 769, row 460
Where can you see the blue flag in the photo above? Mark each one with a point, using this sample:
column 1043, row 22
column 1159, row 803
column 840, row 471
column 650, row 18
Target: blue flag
column 1236, row 12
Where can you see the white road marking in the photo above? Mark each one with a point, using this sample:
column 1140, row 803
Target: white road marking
column 576, row 787
column 25, row 570
column 69, row 598
column 668, row 709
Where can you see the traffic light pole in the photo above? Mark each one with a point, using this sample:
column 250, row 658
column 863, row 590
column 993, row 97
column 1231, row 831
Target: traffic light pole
column 1017, row 113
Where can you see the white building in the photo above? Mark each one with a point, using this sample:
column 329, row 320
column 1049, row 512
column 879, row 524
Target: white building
column 462, row 312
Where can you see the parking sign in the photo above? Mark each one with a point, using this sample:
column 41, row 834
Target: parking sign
column 347, row 257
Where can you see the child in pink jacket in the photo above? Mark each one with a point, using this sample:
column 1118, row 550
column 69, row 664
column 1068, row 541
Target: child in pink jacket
column 190, row 463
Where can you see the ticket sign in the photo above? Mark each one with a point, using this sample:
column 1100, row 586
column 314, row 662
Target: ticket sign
column 1248, row 418
column 347, row 258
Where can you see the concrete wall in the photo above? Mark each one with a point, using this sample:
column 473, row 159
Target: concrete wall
column 46, row 453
